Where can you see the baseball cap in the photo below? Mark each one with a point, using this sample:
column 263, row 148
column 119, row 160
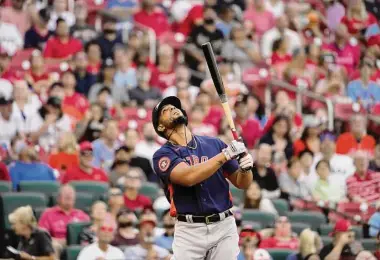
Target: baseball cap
column 249, row 231
column 85, row 146
column 341, row 225
column 171, row 100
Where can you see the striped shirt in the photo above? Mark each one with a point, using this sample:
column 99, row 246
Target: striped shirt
column 367, row 187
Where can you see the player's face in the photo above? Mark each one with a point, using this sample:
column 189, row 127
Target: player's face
column 169, row 116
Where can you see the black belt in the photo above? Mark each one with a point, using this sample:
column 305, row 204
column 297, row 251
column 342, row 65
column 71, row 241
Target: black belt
column 205, row 219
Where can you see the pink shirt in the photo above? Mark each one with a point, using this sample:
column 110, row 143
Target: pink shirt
column 55, row 220
column 348, row 56
column 20, row 19
column 262, row 21
column 273, row 242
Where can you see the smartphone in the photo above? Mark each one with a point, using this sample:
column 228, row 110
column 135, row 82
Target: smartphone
column 13, row 250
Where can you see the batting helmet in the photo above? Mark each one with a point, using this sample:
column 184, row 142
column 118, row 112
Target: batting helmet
column 171, row 100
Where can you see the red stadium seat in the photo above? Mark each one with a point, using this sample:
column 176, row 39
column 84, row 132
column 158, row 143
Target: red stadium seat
column 20, row 57
column 353, row 210
column 344, row 111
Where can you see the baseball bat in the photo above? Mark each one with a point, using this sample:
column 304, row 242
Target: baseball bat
column 218, row 83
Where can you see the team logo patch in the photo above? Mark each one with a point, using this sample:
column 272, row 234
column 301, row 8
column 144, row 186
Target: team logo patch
column 164, row 163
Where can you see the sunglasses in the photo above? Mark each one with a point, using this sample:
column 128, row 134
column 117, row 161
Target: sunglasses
column 106, row 229
column 86, row 153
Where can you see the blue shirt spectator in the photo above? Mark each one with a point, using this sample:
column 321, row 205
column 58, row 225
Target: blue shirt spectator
column 104, row 148
column 122, row 4
column 27, row 169
column 369, row 94
column 374, row 224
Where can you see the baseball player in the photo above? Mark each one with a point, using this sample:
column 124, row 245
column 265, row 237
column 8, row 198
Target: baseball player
column 194, row 170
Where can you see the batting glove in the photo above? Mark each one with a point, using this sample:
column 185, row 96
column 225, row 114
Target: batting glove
column 234, row 149
column 246, row 162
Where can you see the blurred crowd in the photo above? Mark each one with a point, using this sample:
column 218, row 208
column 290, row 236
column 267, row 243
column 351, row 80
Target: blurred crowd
column 78, row 81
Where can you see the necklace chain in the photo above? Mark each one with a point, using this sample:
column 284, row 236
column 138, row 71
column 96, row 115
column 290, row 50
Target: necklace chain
column 188, row 146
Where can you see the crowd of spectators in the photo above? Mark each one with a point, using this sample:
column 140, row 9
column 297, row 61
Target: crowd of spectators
column 78, row 81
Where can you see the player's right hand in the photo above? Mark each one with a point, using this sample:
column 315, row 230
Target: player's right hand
column 234, row 149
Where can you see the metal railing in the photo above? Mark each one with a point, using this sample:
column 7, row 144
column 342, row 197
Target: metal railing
column 300, row 92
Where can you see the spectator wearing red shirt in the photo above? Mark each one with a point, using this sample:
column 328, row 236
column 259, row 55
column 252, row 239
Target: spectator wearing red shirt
column 94, row 55
column 282, row 237
column 213, row 114
column 85, row 171
column 152, row 17
column 194, row 18
column 356, row 138
column 56, row 219
column 133, row 200
column 280, row 52
column 163, row 76
column 364, row 185
column 198, row 127
column 346, row 53
column 250, row 128
column 4, row 173
column 38, row 77
column 357, row 18
column 61, row 47
column 5, row 71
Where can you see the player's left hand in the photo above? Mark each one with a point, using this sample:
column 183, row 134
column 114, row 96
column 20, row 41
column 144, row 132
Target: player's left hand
column 246, row 162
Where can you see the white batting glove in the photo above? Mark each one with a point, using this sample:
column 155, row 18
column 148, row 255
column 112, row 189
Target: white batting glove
column 234, row 149
column 246, row 162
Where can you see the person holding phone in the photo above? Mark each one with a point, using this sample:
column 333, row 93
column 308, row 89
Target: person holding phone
column 344, row 245
column 34, row 243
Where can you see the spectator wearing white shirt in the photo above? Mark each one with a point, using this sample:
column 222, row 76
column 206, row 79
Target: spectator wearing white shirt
column 148, row 146
column 280, row 30
column 146, row 249
column 26, row 104
column 60, row 11
column 341, row 166
column 10, row 37
column 10, row 124
column 102, row 248
column 48, row 124
column 276, row 7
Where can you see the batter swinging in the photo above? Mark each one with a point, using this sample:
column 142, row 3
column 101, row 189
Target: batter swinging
column 194, row 171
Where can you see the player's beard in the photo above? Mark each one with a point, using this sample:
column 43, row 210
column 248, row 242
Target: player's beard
column 181, row 120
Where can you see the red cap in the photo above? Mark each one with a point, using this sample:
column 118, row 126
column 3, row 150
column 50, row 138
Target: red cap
column 85, row 146
column 341, row 225
column 373, row 40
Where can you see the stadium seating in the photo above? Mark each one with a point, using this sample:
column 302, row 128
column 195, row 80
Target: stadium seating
column 73, row 231
column 298, row 227
column 237, row 194
column 280, row 254
column 264, row 218
column 83, row 200
column 326, row 240
column 150, row 189
column 72, row 252
column 314, row 219
column 12, row 200
column 46, row 187
column 5, row 186
column 369, row 244
column 282, row 206
column 94, row 187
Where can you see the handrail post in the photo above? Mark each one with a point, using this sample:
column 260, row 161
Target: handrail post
column 299, row 100
column 330, row 114
column 268, row 99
